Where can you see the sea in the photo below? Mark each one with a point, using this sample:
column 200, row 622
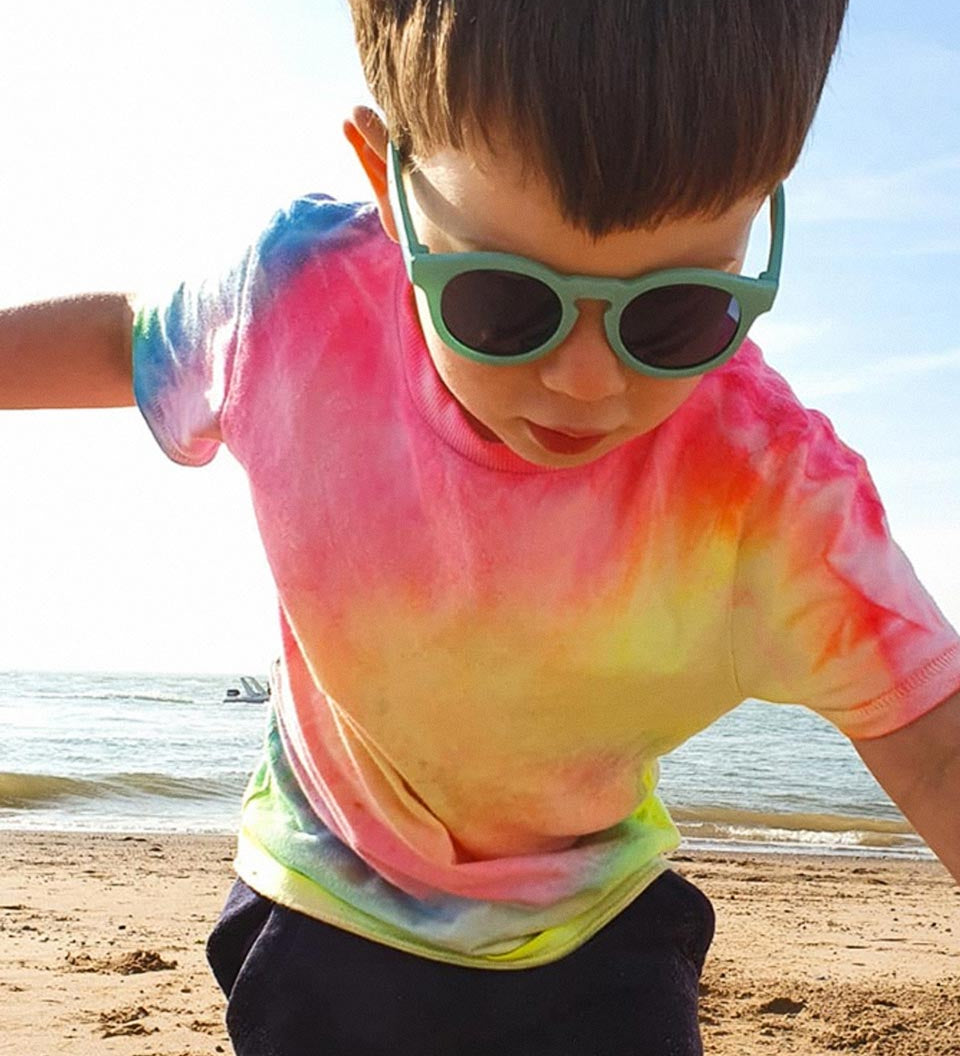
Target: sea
column 154, row 753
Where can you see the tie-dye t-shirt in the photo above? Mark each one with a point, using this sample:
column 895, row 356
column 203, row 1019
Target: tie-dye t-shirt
column 483, row 659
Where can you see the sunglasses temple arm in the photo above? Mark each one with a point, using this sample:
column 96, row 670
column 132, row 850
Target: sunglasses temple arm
column 398, row 200
column 777, row 224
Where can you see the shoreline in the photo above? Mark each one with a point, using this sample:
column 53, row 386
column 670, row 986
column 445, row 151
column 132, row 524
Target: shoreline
column 102, row 938
column 918, row 852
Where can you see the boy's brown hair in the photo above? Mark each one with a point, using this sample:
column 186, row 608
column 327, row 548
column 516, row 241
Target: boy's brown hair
column 634, row 111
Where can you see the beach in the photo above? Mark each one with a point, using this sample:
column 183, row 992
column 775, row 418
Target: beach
column 102, row 949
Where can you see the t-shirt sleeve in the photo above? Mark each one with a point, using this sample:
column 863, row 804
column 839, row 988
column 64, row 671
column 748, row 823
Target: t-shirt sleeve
column 203, row 357
column 184, row 348
column 827, row 610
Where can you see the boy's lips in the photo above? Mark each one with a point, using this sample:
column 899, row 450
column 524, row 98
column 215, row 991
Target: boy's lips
column 564, row 441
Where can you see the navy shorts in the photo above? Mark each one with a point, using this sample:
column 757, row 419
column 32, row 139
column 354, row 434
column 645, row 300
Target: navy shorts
column 299, row 987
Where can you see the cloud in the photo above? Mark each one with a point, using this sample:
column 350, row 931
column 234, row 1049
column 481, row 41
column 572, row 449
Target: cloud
column 948, row 246
column 926, row 191
column 815, row 385
column 782, row 337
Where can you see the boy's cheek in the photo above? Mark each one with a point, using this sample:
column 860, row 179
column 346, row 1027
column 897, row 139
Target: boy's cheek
column 473, row 385
column 464, row 378
column 654, row 400
column 440, row 354
column 430, row 335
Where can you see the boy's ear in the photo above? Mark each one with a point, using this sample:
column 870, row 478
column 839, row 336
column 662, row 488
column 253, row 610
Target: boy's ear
column 367, row 134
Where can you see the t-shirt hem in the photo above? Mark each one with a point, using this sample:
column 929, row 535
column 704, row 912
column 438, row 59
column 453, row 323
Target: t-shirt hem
column 921, row 692
column 202, row 452
column 287, row 887
column 202, row 456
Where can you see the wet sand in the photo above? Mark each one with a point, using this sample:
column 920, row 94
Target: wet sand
column 102, row 938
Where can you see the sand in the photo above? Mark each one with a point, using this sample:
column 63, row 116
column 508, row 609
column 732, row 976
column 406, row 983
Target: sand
column 101, row 950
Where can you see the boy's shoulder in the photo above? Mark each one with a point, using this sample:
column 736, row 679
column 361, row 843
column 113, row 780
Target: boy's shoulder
column 753, row 405
column 312, row 225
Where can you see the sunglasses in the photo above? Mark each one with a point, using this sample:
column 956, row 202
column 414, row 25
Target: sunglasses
column 501, row 308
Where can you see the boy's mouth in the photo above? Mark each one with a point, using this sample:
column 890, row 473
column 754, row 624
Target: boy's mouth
column 564, row 441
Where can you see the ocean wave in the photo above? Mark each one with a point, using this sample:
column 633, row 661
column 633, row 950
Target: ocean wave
column 810, row 830
column 26, row 791
column 813, row 822
column 149, row 698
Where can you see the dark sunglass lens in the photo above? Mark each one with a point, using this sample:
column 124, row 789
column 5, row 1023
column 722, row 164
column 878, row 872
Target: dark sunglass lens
column 500, row 313
column 681, row 326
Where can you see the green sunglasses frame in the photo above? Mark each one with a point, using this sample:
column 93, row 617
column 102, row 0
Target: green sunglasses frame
column 432, row 271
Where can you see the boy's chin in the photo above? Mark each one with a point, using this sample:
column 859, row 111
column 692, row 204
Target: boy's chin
column 544, row 447
column 555, row 451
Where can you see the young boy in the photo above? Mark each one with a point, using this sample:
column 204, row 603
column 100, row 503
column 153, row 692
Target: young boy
column 534, row 518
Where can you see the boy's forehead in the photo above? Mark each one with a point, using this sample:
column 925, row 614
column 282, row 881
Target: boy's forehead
column 479, row 201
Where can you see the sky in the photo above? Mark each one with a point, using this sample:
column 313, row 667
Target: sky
column 145, row 141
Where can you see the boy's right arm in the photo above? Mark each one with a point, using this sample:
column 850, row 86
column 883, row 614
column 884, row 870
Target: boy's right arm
column 67, row 353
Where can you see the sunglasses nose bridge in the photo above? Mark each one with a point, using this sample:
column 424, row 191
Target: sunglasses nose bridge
column 604, row 304
column 588, row 288
column 585, row 290
column 581, row 291
column 590, row 291
column 596, row 292
column 596, row 310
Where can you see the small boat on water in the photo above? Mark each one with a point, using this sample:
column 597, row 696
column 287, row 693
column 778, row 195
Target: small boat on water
column 253, row 692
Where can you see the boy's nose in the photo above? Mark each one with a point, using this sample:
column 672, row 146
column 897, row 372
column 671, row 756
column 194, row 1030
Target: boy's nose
column 584, row 367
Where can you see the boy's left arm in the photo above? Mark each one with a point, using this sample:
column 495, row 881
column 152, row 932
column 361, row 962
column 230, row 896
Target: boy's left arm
column 919, row 767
